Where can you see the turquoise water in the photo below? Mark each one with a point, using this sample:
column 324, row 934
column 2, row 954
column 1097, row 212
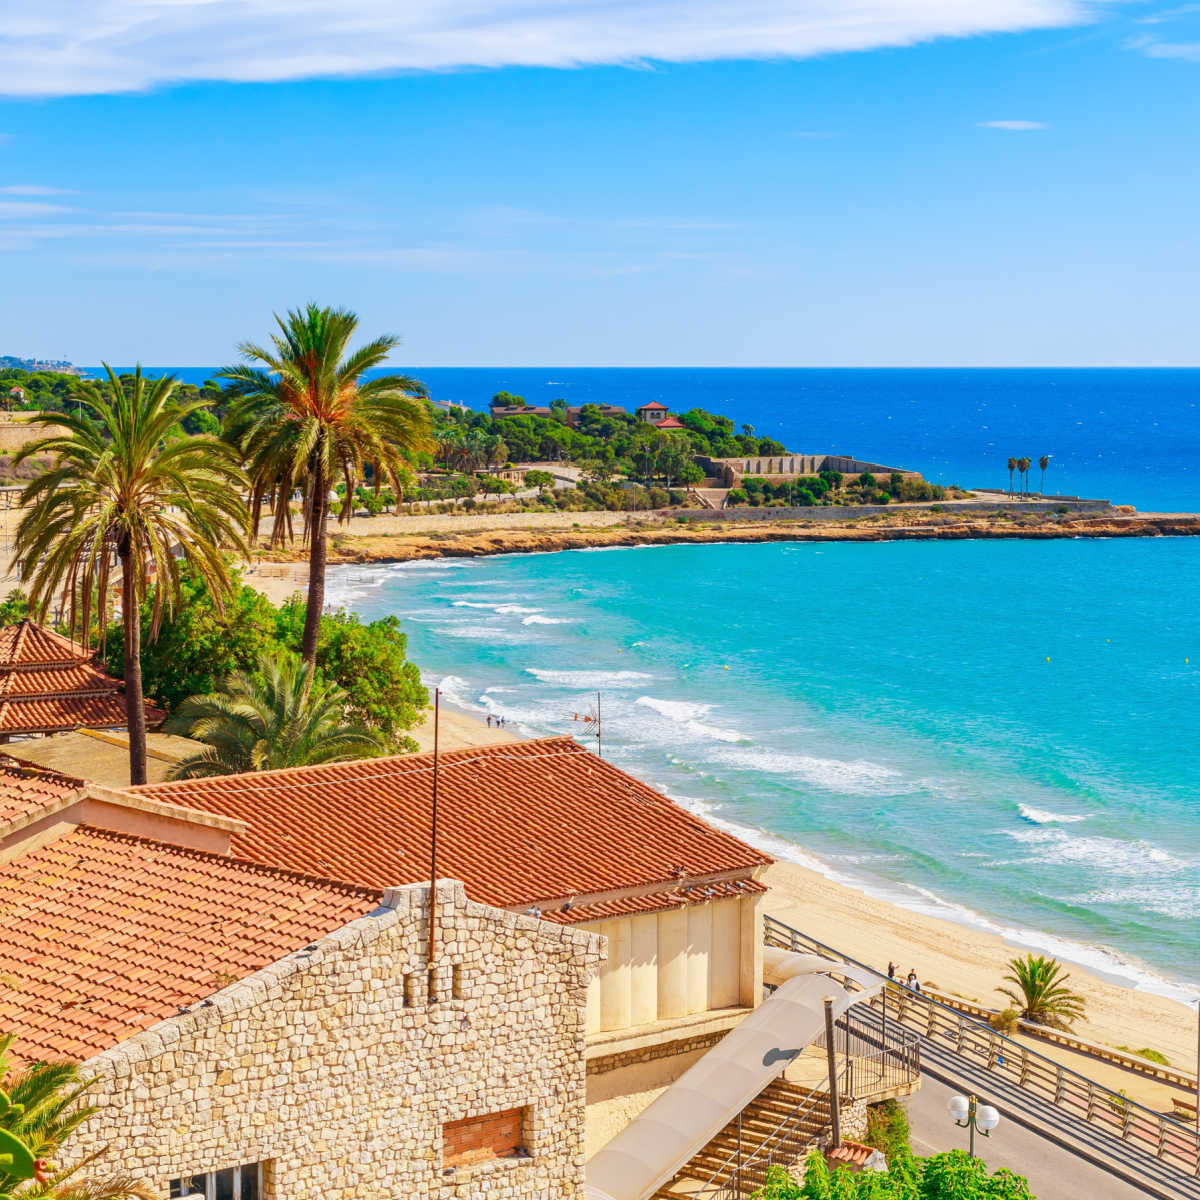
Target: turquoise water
column 1000, row 732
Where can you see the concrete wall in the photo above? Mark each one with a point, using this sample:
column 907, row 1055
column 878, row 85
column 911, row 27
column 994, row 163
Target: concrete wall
column 335, row 1070
column 965, row 508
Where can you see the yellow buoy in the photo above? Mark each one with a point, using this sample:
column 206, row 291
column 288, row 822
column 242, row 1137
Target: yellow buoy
column 1047, row 658
column 727, row 666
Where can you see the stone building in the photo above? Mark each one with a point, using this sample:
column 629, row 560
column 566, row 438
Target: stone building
column 548, row 828
column 779, row 468
column 266, row 1033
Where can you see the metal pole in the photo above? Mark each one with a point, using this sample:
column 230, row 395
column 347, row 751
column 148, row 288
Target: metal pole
column 831, row 1057
column 971, row 1123
column 738, row 1173
column 599, row 729
column 1198, row 1068
column 437, row 697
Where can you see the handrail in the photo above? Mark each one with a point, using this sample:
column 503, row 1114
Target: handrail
column 1168, row 1139
column 731, row 1189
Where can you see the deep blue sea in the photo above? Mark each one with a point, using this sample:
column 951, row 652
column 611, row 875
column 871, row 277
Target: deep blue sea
column 1001, row 732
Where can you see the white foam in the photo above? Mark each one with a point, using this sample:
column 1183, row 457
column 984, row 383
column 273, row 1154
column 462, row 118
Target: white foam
column 479, row 633
column 858, row 777
column 536, row 620
column 686, row 713
column 454, row 689
column 1098, row 959
column 1112, row 855
column 591, row 680
column 1043, row 816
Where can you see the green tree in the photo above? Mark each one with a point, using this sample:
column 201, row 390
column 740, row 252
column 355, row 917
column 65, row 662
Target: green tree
column 1043, row 462
column 204, row 641
column 280, row 716
column 1042, row 995
column 1012, row 466
column 306, row 414
column 367, row 661
column 1023, row 465
column 124, row 485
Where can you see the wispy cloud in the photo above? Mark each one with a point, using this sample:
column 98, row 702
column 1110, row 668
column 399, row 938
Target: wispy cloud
column 1152, row 48
column 35, row 189
column 1014, row 126
column 23, row 209
column 130, row 45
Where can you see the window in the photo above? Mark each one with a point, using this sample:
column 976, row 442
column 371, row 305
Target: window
column 483, row 1138
column 231, row 1183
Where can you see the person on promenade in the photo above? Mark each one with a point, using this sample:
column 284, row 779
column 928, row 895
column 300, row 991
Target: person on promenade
column 891, row 970
column 912, row 980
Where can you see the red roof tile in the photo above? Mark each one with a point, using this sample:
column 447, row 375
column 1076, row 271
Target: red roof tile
column 103, row 935
column 26, row 789
column 671, row 423
column 27, row 643
column 653, row 404
column 50, row 683
column 520, row 824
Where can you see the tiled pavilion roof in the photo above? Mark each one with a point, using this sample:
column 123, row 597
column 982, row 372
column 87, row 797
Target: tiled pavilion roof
column 521, row 824
column 49, row 683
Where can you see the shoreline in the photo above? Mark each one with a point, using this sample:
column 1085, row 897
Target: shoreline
column 408, row 539
column 953, row 947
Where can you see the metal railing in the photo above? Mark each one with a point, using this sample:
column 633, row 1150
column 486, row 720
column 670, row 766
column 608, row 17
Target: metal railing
column 977, row 1044
column 740, row 1175
column 875, row 1059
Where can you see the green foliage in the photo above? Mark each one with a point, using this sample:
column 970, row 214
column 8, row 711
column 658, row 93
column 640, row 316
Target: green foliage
column 539, row 479
column 200, row 645
column 367, row 661
column 279, row 716
column 1007, row 1021
column 952, row 1176
column 14, row 607
column 1042, row 996
column 1154, row 1056
column 888, row 1128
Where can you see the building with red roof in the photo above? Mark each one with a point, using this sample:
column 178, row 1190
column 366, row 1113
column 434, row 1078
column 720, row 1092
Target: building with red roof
column 49, row 683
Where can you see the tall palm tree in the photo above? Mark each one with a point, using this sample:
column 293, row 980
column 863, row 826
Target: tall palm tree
column 279, row 717
column 1042, row 995
column 1043, row 462
column 305, row 416
column 1012, row 466
column 1023, row 465
column 127, row 487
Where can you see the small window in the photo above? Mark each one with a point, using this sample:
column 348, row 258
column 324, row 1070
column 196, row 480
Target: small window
column 230, row 1183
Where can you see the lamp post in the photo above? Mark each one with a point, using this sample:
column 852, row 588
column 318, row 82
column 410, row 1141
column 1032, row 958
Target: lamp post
column 968, row 1113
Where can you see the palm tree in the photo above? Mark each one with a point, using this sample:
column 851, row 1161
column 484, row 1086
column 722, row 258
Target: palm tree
column 40, row 1107
column 305, row 415
column 282, row 716
column 126, row 487
column 1043, row 462
column 1012, row 466
column 1023, row 465
column 1043, row 996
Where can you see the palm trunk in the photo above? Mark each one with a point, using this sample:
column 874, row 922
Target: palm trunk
column 135, row 708
column 316, row 565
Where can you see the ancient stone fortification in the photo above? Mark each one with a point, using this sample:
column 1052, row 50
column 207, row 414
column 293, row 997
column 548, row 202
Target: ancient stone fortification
column 786, row 467
column 335, row 1070
column 17, row 431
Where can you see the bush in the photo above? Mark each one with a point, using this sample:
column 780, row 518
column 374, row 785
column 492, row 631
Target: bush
column 1154, row 1056
column 887, row 1128
column 1008, row 1021
column 736, row 496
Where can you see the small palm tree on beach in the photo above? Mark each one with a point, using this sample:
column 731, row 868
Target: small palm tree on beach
column 1043, row 462
column 1023, row 465
column 281, row 716
column 127, row 489
column 304, row 414
column 1042, row 996
column 1012, row 466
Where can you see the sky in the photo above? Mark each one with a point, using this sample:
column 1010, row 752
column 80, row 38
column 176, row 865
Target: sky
column 606, row 182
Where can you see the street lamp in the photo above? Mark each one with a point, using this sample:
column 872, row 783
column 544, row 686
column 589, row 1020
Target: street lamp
column 968, row 1113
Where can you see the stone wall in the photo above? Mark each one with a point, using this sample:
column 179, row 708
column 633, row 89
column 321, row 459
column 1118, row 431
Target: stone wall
column 335, row 1069
column 16, row 431
column 847, row 512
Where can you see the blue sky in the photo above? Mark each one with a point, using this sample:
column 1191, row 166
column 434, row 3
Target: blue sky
column 958, row 182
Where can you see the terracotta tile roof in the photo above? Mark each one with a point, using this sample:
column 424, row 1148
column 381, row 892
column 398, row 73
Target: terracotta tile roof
column 26, row 789
column 50, row 683
column 520, row 823
column 103, row 934
column 670, row 423
column 27, row 643
column 653, row 404
column 654, row 902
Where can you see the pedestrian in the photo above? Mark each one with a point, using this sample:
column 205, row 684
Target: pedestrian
column 913, row 981
column 489, row 720
column 891, row 970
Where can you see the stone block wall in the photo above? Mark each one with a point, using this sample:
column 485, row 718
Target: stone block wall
column 335, row 1070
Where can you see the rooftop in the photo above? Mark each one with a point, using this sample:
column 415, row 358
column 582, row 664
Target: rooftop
column 542, row 823
column 105, row 934
column 102, row 756
column 49, row 683
column 27, row 789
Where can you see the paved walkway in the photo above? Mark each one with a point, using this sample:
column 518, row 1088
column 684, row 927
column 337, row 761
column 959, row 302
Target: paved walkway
column 1053, row 1173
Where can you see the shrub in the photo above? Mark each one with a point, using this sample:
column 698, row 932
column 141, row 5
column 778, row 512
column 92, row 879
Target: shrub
column 736, row 496
column 1154, row 1056
column 1006, row 1021
column 888, row 1128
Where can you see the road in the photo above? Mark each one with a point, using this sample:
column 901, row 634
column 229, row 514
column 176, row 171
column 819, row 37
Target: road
column 1053, row 1173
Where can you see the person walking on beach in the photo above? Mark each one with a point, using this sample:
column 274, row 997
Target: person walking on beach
column 891, row 970
column 489, row 720
column 912, row 981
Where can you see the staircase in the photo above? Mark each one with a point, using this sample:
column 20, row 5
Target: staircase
column 778, row 1126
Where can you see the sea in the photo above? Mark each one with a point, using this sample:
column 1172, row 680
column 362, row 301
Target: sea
column 1003, row 733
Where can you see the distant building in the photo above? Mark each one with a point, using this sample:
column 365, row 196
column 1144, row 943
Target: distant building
column 652, row 413
column 670, row 422
column 780, row 468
